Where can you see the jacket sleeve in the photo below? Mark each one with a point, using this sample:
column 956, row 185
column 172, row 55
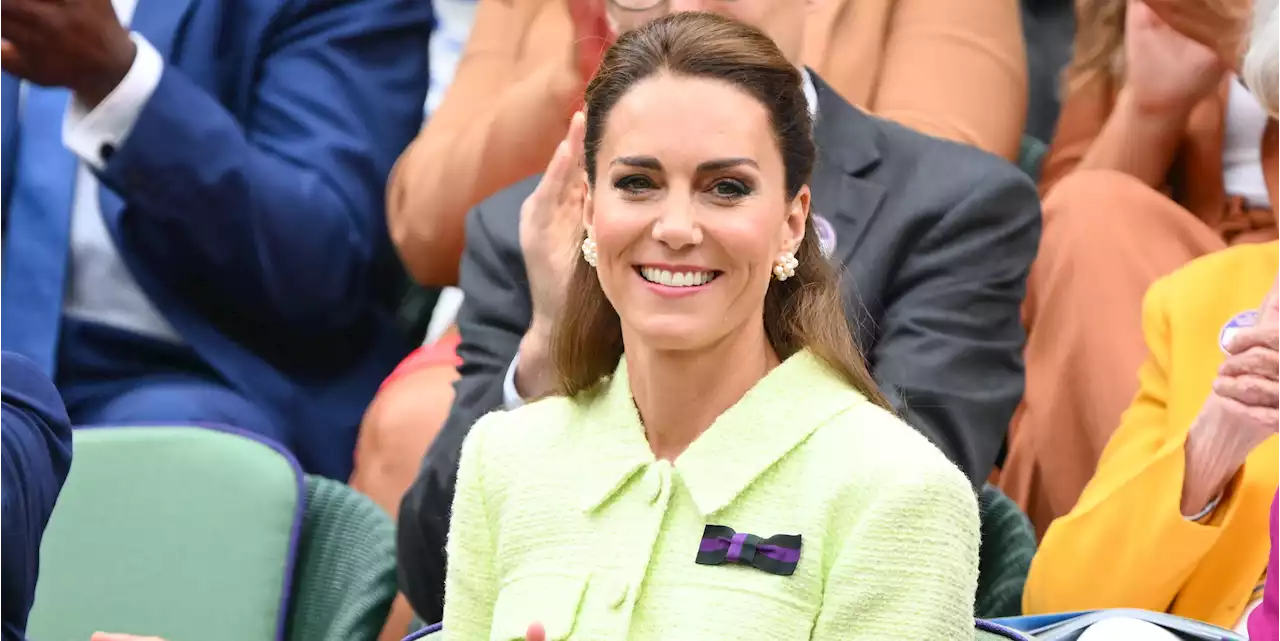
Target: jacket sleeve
column 500, row 121
column 273, row 203
column 472, row 587
column 493, row 319
column 957, row 70
column 37, row 457
column 1126, row 543
column 949, row 352
column 909, row 567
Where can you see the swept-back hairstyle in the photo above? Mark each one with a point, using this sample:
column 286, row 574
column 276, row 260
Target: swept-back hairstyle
column 804, row 311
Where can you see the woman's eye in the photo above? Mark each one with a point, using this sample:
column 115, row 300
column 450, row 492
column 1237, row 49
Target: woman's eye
column 634, row 184
column 730, row 188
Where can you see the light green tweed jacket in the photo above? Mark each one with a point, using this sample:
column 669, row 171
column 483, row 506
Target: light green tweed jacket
column 563, row 517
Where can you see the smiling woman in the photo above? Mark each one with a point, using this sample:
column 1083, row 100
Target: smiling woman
column 735, row 473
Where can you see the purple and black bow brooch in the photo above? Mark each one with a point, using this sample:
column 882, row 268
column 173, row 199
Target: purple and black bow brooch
column 776, row 555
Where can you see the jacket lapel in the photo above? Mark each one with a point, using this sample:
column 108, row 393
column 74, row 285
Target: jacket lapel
column 848, row 150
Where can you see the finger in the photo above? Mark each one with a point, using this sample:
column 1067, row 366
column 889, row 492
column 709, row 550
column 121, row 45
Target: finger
column 1253, row 391
column 11, row 59
column 1238, row 415
column 1269, row 313
column 577, row 136
column 1267, row 336
column 535, row 633
column 1258, row 361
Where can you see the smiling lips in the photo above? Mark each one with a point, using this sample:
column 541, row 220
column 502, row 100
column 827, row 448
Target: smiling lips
column 677, row 278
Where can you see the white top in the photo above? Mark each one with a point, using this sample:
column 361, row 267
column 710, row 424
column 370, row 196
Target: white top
column 100, row 287
column 1242, row 147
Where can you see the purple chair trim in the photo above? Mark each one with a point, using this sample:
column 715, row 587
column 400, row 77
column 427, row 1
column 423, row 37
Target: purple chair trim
column 422, row 633
column 295, row 531
column 996, row 628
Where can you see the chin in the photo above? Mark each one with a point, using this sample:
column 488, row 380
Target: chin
column 673, row 334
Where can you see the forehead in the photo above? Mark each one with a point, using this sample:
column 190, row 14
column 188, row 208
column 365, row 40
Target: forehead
column 677, row 116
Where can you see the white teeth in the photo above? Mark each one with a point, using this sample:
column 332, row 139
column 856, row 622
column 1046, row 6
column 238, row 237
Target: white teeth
column 677, row 279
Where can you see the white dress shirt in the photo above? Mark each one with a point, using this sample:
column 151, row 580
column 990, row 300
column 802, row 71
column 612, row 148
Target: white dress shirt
column 510, row 395
column 100, row 287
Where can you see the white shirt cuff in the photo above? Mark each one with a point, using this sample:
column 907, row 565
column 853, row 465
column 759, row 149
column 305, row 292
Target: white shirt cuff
column 95, row 135
column 510, row 396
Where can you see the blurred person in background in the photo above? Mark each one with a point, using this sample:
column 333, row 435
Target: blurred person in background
column 36, row 459
column 1158, row 159
column 936, row 238
column 955, row 70
column 1176, row 517
column 193, row 207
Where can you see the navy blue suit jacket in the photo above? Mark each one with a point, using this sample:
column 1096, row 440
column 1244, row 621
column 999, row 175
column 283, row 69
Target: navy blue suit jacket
column 248, row 197
column 37, row 457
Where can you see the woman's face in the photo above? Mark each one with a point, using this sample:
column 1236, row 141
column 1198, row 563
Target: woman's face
column 689, row 211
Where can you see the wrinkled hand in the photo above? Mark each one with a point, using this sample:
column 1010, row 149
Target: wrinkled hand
column 549, row 221
column 592, row 35
column 77, row 44
column 1247, row 388
column 1166, row 71
column 1206, row 22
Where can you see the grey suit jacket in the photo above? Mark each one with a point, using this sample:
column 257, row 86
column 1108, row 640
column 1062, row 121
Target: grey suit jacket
column 937, row 239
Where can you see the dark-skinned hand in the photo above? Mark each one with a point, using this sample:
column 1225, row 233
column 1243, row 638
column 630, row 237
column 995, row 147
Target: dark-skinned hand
column 77, row 44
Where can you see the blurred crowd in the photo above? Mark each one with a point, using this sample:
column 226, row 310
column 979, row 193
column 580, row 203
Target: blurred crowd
column 348, row 228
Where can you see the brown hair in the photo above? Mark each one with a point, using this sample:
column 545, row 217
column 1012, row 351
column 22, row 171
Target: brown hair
column 804, row 311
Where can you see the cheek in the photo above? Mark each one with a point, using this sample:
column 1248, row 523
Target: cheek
column 617, row 227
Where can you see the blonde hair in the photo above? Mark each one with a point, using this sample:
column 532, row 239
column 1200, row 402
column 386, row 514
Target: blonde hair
column 1261, row 69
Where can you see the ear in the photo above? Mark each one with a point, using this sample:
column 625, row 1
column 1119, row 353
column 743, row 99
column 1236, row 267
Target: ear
column 797, row 216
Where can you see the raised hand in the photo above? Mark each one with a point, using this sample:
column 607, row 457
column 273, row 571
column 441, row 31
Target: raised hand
column 549, row 221
column 77, row 44
column 1217, row 24
column 1165, row 70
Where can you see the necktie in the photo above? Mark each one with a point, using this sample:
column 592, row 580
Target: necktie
column 37, row 236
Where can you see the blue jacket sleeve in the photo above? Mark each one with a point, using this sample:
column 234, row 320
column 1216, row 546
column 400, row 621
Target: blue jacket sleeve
column 273, row 200
column 36, row 437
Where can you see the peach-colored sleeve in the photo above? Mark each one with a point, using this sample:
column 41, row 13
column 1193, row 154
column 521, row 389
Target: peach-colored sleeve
column 500, row 120
column 956, row 70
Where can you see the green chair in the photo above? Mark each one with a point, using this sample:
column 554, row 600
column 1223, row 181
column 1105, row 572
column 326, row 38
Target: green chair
column 197, row 534
column 1008, row 543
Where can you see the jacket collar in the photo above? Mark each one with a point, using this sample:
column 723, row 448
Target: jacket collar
column 774, row 417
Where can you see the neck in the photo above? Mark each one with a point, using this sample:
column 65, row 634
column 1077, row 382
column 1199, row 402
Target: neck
column 679, row 394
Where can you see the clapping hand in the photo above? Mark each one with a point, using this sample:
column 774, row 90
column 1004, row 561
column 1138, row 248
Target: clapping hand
column 1166, row 71
column 1248, row 383
column 77, row 44
column 1220, row 26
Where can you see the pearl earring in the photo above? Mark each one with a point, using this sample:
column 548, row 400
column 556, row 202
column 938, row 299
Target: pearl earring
column 589, row 251
column 785, row 266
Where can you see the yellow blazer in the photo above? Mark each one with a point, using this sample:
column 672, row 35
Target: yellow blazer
column 1126, row 543
column 563, row 516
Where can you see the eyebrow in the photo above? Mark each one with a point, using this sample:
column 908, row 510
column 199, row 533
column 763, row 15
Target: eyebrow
column 651, row 163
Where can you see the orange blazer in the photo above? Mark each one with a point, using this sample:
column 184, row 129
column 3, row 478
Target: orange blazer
column 951, row 69
column 1126, row 543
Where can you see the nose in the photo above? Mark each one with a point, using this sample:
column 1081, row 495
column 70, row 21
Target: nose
column 676, row 227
